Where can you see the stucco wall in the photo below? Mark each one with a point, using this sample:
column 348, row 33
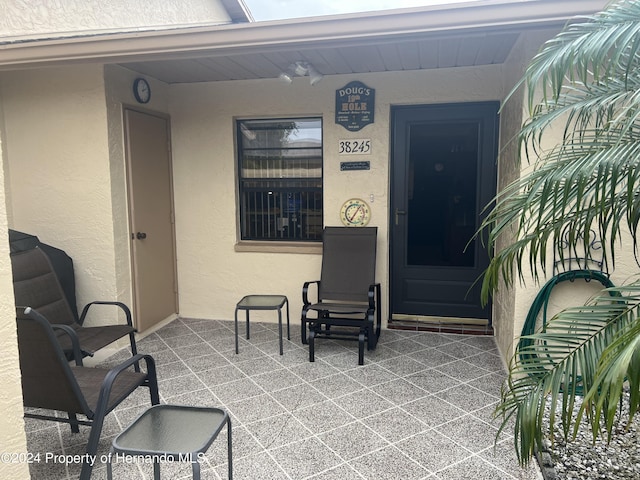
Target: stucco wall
column 59, row 177
column 20, row 18
column 12, row 436
column 212, row 275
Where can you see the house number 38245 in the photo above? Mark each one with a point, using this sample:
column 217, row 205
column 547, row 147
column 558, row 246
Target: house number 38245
column 354, row 147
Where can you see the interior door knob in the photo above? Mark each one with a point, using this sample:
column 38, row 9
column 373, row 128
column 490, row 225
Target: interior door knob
column 141, row 235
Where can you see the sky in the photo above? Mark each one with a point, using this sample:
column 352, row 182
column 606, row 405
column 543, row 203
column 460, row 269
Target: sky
column 279, row 9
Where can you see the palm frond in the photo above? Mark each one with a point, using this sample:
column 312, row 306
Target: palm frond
column 553, row 367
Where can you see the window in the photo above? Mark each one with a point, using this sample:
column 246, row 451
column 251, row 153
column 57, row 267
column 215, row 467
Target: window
column 280, row 175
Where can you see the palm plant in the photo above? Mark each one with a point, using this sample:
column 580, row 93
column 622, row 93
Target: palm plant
column 585, row 81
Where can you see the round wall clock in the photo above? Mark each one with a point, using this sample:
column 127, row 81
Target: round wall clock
column 141, row 90
column 355, row 213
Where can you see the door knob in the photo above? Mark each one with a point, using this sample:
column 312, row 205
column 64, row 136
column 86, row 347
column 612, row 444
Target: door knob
column 141, row 235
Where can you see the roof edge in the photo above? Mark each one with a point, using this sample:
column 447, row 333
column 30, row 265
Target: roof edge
column 391, row 25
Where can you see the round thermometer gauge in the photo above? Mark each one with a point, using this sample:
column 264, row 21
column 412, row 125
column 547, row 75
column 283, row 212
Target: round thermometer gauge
column 355, row 213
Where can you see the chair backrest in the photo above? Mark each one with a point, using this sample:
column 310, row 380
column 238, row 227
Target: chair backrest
column 47, row 379
column 36, row 285
column 348, row 263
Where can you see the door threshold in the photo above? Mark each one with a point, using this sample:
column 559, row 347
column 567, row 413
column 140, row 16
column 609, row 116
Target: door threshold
column 467, row 326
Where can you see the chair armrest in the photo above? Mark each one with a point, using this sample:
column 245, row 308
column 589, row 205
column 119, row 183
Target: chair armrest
column 73, row 336
column 374, row 295
column 75, row 343
column 122, row 306
column 305, row 291
column 112, row 375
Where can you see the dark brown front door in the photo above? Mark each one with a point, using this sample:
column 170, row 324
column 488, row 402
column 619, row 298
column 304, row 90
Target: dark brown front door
column 443, row 175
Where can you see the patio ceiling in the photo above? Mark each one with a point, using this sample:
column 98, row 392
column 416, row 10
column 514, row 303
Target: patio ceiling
column 439, row 52
column 455, row 35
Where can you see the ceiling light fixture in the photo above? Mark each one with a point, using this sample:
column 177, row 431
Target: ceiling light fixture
column 301, row 69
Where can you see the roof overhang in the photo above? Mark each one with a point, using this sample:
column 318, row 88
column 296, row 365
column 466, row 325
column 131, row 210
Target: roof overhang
column 299, row 36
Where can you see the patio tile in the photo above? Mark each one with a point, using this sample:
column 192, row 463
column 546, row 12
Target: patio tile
column 469, row 432
column 184, row 340
column 323, row 416
column 313, row 370
column 243, row 445
column 363, row 403
column 459, row 349
column 434, row 339
column 171, row 370
column 488, row 361
column 193, row 350
column 256, row 366
column 255, row 467
column 490, row 383
column 432, row 380
column 433, row 411
column 433, row 451
column 415, row 410
column 371, row 374
column 277, row 379
column 274, row 432
column 220, row 375
column 405, row 346
column 236, row 390
column 395, row 424
column 462, row 370
column 296, row 397
column 255, row 408
column 399, row 391
column 402, row 366
column 176, row 386
column 503, row 456
column 388, row 462
column 475, row 468
column 341, row 472
column 205, row 362
column 483, row 342
column 305, row 458
column 431, row 357
column 352, row 440
column 466, row 397
column 337, row 385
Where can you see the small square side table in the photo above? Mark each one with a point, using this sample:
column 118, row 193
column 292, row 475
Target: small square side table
column 263, row 302
column 172, row 433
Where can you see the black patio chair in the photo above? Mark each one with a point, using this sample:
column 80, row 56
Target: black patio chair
column 50, row 382
column 348, row 299
column 36, row 284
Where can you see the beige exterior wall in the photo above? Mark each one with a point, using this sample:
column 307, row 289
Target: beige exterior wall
column 212, row 275
column 59, row 173
column 35, row 18
column 12, row 436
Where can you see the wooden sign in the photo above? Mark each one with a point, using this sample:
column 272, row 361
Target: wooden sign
column 355, row 105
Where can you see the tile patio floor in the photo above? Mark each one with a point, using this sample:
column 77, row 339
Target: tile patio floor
column 420, row 408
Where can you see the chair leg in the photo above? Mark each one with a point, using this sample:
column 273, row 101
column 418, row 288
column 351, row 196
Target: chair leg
column 303, row 330
column 73, row 422
column 92, row 445
column 134, row 350
column 312, row 337
column 361, row 348
column 229, row 449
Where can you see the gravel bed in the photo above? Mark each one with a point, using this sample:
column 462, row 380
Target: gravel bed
column 582, row 459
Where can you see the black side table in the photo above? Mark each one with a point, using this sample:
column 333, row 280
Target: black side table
column 172, row 433
column 263, row 302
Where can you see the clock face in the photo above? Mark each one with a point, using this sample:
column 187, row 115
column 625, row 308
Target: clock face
column 141, row 90
column 355, row 213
